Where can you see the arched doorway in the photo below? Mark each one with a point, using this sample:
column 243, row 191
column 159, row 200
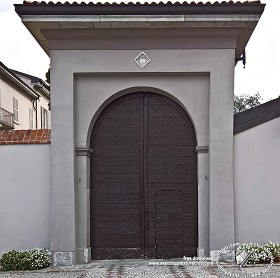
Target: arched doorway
column 143, row 180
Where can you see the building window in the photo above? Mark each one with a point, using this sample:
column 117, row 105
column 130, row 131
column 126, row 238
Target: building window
column 15, row 109
column 44, row 118
column 30, row 118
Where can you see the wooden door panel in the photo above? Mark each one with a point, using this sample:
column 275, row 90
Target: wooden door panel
column 116, row 227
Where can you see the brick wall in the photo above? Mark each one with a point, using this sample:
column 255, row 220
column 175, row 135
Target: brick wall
column 15, row 137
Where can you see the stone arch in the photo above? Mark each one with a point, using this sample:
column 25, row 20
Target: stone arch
column 129, row 91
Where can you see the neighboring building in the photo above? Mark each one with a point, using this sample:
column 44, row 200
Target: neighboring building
column 24, row 101
column 42, row 117
column 141, row 161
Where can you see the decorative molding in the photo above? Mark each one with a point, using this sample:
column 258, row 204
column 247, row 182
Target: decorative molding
column 202, row 149
column 84, row 152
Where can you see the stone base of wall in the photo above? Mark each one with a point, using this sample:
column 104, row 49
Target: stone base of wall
column 81, row 256
column 226, row 256
column 63, row 258
column 200, row 253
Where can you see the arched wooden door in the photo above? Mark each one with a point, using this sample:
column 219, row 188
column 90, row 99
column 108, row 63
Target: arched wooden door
column 143, row 180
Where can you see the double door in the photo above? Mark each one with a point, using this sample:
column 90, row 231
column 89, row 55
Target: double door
column 143, row 180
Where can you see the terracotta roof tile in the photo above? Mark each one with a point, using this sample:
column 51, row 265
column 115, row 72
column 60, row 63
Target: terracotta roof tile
column 127, row 7
column 221, row 2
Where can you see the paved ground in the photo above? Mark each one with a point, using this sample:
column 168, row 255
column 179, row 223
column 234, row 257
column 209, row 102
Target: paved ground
column 147, row 269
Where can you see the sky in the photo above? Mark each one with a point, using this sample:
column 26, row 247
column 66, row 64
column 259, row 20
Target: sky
column 20, row 51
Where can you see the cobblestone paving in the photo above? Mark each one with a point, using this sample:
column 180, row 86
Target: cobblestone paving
column 142, row 269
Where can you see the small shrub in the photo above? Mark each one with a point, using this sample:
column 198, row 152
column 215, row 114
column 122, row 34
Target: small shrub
column 262, row 252
column 25, row 260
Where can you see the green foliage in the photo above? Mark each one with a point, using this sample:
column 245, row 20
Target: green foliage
column 244, row 102
column 25, row 260
column 262, row 252
column 48, row 76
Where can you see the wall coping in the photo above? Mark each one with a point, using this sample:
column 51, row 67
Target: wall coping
column 17, row 137
column 258, row 115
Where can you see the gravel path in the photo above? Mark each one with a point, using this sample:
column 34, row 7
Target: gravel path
column 142, row 269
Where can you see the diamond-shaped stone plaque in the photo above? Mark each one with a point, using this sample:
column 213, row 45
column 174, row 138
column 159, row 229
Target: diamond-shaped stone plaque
column 142, row 60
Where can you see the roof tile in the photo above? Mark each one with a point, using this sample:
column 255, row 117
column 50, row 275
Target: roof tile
column 221, row 2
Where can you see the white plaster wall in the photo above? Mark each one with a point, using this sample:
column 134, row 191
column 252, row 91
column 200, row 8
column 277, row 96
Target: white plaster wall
column 256, row 183
column 24, row 196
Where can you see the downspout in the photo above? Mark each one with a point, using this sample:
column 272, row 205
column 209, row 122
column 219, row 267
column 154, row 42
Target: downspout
column 36, row 87
column 35, row 106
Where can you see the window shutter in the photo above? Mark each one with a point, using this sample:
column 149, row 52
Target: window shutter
column 46, row 120
column 41, row 109
column 49, row 121
column 30, row 118
column 15, row 109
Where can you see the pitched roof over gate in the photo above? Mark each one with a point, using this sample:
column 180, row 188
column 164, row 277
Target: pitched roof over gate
column 242, row 15
column 190, row 2
column 137, row 8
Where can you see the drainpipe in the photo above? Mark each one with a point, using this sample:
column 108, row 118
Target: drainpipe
column 35, row 106
column 36, row 87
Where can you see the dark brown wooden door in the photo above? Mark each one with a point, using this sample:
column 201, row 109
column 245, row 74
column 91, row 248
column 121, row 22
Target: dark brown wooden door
column 143, row 180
